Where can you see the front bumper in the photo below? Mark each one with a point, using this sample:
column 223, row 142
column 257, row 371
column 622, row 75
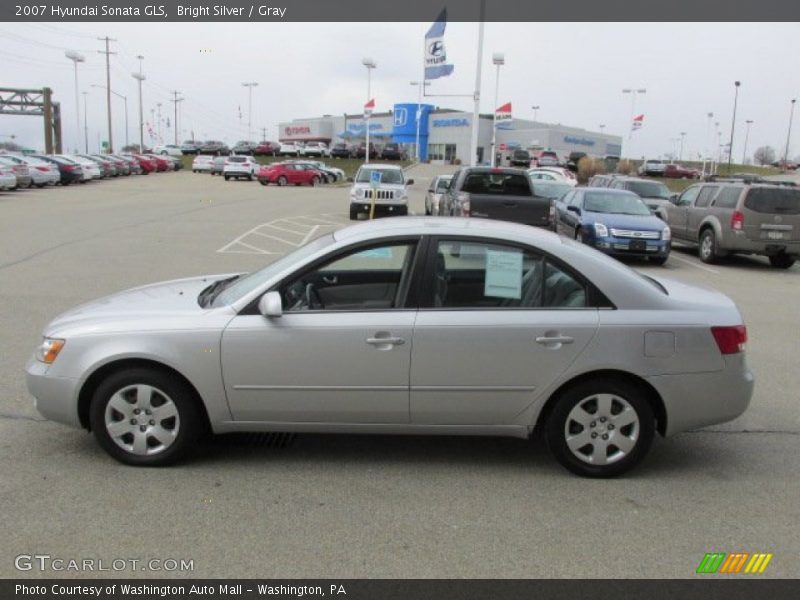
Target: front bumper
column 625, row 247
column 694, row 400
column 385, row 210
column 56, row 398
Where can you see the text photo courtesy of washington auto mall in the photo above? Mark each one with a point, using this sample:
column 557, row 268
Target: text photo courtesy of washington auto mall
column 369, row 300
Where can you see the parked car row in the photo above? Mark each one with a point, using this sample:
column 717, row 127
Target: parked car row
column 290, row 172
column 40, row 170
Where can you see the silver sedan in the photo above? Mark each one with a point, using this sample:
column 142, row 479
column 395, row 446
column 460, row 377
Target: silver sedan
column 403, row 326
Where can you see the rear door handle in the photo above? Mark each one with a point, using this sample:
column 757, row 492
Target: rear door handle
column 556, row 339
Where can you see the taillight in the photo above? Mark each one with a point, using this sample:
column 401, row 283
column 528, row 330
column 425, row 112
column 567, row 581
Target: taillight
column 69, row 168
column 42, row 169
column 737, row 221
column 730, row 340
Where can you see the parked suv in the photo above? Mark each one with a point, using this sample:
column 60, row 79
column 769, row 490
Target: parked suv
column 520, row 158
column 654, row 194
column 341, row 150
column 506, row 194
column 390, row 194
column 653, row 167
column 315, row 149
column 739, row 218
column 392, row 151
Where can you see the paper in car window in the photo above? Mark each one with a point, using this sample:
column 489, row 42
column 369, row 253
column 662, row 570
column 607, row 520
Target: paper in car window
column 503, row 274
column 376, row 253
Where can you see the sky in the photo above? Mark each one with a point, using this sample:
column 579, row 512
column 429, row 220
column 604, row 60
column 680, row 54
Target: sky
column 574, row 72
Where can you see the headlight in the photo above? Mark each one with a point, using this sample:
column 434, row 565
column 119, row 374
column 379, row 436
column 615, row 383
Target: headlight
column 49, row 350
column 666, row 234
column 600, row 230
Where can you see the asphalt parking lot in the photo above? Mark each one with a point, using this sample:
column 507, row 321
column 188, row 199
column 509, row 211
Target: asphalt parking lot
column 362, row 506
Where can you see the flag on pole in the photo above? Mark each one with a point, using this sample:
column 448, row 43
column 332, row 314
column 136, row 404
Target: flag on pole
column 637, row 123
column 435, row 55
column 368, row 108
column 502, row 116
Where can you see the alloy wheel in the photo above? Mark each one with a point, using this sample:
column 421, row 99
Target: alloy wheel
column 142, row 419
column 602, row 429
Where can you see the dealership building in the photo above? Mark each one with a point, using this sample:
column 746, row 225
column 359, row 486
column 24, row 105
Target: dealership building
column 444, row 134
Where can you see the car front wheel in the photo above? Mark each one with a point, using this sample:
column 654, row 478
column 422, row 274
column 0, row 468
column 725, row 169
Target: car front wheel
column 144, row 417
column 600, row 427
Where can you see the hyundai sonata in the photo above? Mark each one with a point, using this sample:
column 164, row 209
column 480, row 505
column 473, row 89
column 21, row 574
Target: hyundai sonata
column 403, row 326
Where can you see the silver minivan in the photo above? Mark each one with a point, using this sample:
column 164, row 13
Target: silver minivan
column 739, row 218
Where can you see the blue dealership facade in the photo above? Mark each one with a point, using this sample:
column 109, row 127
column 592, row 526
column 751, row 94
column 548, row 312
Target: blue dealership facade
column 444, row 134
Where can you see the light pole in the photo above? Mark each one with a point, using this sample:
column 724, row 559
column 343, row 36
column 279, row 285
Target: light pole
column 85, row 124
column 633, row 92
column 498, row 59
column 746, row 137
column 249, row 85
column 76, row 58
column 680, row 154
column 788, row 135
column 707, row 153
column 125, row 99
column 140, row 78
column 369, row 64
column 421, row 86
column 535, row 110
column 733, row 122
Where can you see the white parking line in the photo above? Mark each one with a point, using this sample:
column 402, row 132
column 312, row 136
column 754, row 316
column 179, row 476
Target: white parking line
column 295, row 234
column 309, row 234
column 692, row 263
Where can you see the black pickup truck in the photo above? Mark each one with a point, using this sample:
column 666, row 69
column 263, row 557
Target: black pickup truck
column 505, row 194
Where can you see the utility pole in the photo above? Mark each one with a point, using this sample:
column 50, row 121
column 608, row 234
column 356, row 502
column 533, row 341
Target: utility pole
column 158, row 104
column 788, row 136
column 140, row 78
column 85, row 125
column 175, row 100
column 264, row 133
column 250, row 85
column 108, row 53
column 733, row 123
column 748, row 122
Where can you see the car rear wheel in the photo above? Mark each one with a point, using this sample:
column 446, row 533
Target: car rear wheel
column 227, row 178
column 600, row 427
column 263, row 181
column 708, row 247
column 282, row 180
column 781, row 261
column 579, row 236
column 145, row 417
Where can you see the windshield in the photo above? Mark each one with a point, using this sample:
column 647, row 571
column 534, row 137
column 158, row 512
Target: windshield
column 392, row 176
column 621, row 204
column 248, row 283
column 649, row 189
column 443, row 184
column 550, row 189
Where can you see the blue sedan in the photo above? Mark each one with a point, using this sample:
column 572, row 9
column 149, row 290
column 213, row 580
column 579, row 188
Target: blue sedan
column 616, row 222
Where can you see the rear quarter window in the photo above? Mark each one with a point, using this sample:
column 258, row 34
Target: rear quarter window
column 782, row 201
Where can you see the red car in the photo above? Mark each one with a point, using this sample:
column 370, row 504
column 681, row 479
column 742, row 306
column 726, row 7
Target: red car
column 162, row 163
column 147, row 164
column 288, row 173
column 266, row 149
column 680, row 172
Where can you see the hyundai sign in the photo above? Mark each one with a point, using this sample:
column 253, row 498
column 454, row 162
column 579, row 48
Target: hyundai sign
column 451, row 122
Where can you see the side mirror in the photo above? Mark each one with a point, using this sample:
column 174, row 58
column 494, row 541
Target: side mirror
column 574, row 209
column 271, row 305
column 674, row 198
column 410, row 182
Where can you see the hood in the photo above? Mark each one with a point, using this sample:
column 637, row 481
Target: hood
column 154, row 302
column 640, row 222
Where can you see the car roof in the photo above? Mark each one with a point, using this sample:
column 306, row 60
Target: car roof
column 384, row 167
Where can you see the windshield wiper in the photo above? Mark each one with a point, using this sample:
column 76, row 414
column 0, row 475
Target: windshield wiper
column 207, row 296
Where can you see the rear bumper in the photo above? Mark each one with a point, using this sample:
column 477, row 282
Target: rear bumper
column 694, row 400
column 737, row 242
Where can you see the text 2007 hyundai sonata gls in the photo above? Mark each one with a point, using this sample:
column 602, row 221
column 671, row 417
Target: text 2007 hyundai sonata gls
column 406, row 325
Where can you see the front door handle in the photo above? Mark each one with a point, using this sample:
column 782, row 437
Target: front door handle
column 330, row 279
column 556, row 339
column 385, row 341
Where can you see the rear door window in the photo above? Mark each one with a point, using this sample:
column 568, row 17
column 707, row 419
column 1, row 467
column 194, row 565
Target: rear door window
column 727, row 197
column 705, row 196
column 781, row 201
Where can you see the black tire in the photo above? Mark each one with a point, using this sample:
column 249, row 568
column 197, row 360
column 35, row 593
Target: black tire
column 707, row 249
column 227, row 178
column 658, row 260
column 250, row 177
column 189, row 419
column 282, row 181
column 781, row 261
column 263, row 181
column 353, row 213
column 579, row 235
column 582, row 393
column 314, row 181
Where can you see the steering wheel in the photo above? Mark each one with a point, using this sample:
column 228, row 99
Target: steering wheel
column 313, row 299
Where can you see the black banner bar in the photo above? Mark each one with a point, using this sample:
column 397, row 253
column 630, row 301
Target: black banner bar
column 702, row 588
column 393, row 10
